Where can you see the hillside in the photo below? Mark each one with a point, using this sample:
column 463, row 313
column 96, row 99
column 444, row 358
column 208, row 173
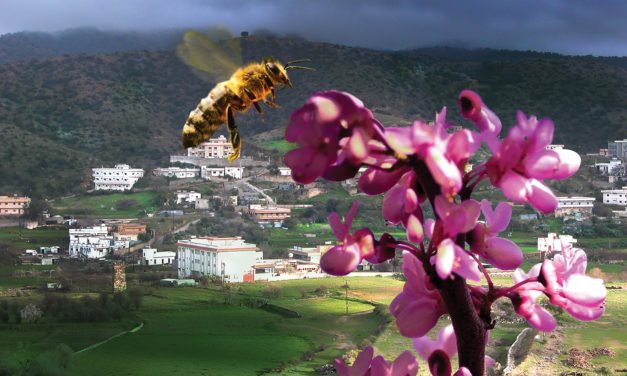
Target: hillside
column 65, row 114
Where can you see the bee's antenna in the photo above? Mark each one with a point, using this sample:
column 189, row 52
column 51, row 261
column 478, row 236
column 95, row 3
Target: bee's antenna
column 297, row 67
column 295, row 61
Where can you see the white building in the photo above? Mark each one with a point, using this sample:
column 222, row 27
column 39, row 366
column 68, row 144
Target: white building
column 176, row 172
column 607, row 167
column 615, row 196
column 151, row 256
column 229, row 258
column 617, row 148
column 555, row 243
column 554, row 147
column 285, row 171
column 120, row 178
column 187, row 196
column 207, row 172
column 574, row 206
column 213, row 148
column 93, row 242
column 100, row 230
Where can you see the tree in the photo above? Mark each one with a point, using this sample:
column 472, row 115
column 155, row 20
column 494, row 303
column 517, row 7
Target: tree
column 423, row 165
column 35, row 208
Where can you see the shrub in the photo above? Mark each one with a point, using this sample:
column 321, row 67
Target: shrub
column 30, row 313
column 272, row 291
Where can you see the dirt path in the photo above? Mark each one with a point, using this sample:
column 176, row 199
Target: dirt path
column 546, row 359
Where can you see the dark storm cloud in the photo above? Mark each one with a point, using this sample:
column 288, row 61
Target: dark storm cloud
column 572, row 27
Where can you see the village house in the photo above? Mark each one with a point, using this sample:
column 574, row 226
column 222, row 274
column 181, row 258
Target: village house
column 236, row 172
column 615, row 196
column 267, row 214
column 617, row 148
column 93, row 243
column 13, row 206
column 572, row 206
column 607, row 168
column 151, row 256
column 187, row 196
column 231, row 259
column 213, row 148
column 120, row 178
column 176, row 172
column 555, row 243
column 129, row 231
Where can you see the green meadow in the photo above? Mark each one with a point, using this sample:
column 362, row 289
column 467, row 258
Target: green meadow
column 104, row 205
column 218, row 330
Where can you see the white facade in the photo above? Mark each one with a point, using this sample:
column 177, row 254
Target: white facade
column 555, row 243
column 213, row 148
column 187, row 196
column 554, row 147
column 608, row 167
column 615, row 196
column 88, row 231
column 285, row 171
column 230, row 258
column 151, row 256
column 120, row 178
column 209, row 172
column 576, row 206
column 177, row 172
column 93, row 242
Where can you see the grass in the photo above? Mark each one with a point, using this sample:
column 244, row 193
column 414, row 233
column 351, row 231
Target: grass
column 193, row 331
column 104, row 205
column 21, row 238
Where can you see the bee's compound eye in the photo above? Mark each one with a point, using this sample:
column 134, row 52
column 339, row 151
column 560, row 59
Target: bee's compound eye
column 272, row 68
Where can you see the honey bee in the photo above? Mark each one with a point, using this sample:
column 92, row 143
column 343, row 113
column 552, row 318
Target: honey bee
column 246, row 87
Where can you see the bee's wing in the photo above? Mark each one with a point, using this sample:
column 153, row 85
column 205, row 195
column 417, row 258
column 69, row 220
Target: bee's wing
column 201, row 52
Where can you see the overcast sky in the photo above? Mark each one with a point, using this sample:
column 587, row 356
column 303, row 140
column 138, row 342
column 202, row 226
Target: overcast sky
column 596, row 27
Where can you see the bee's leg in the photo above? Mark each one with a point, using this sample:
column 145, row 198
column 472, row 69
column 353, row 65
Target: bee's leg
column 270, row 86
column 270, row 103
column 236, row 141
column 257, row 106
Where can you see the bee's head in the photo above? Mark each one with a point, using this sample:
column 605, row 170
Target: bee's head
column 277, row 72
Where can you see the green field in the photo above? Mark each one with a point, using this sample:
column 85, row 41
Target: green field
column 103, row 205
column 212, row 331
column 21, row 238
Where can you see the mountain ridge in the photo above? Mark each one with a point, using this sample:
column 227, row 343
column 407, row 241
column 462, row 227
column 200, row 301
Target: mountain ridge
column 129, row 107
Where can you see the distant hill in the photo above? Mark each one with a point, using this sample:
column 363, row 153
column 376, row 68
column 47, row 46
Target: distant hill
column 62, row 115
column 39, row 45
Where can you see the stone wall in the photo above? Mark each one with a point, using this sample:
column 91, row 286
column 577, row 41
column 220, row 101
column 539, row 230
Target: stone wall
column 119, row 276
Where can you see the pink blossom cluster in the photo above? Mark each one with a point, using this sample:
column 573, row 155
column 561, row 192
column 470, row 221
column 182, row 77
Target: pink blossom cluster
column 423, row 163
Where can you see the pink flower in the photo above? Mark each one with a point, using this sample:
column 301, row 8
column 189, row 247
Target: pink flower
column 474, row 109
column 568, row 286
column 344, row 258
column 457, row 219
column 438, row 353
column 364, row 365
column 401, row 204
column 382, row 176
column 384, row 249
column 360, row 367
column 404, row 365
column 419, row 299
column 521, row 162
column 451, row 258
column 440, row 152
column 502, row 253
column 524, row 300
column 333, row 130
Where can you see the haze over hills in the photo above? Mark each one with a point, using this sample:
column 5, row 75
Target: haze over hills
column 63, row 111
